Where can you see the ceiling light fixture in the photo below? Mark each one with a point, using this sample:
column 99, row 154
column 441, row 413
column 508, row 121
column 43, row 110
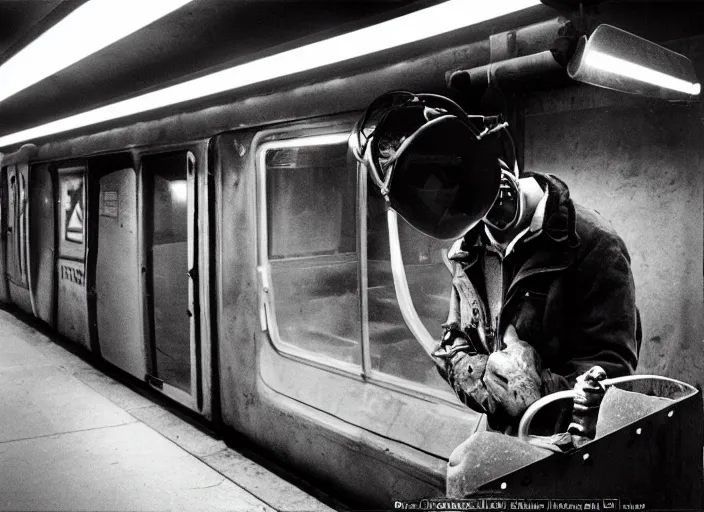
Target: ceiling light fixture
column 416, row 26
column 615, row 59
column 611, row 64
column 86, row 30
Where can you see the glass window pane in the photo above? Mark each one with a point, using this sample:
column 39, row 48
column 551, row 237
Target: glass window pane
column 71, row 213
column 167, row 228
column 394, row 349
column 311, row 215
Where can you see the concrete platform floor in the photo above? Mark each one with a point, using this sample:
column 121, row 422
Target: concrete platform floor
column 72, row 438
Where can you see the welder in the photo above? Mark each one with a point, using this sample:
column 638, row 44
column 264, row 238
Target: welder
column 542, row 289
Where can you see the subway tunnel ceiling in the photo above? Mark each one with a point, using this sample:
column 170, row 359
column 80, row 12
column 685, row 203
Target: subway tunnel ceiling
column 207, row 35
column 203, row 35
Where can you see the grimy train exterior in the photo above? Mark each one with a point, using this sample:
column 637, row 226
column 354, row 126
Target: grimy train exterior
column 226, row 252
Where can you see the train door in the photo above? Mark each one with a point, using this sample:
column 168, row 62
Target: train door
column 16, row 235
column 118, row 310
column 72, row 299
column 4, row 297
column 42, row 242
column 9, row 213
column 170, row 240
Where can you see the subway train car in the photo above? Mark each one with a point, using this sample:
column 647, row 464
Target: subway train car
column 229, row 252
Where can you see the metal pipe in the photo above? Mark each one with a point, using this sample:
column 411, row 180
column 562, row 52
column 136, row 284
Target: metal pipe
column 524, row 67
column 22, row 155
column 524, row 425
column 517, row 54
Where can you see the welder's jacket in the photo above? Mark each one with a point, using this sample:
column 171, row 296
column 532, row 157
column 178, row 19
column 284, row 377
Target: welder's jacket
column 571, row 293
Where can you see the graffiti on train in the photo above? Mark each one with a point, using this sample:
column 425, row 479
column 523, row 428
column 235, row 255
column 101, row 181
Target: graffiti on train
column 73, row 275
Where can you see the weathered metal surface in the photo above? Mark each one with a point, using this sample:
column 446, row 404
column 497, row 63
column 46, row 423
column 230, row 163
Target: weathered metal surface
column 17, row 210
column 42, row 271
column 656, row 461
column 72, row 310
column 72, row 299
column 117, row 272
column 435, row 428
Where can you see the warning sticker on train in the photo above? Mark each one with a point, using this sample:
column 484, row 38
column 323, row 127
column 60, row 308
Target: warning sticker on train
column 108, row 203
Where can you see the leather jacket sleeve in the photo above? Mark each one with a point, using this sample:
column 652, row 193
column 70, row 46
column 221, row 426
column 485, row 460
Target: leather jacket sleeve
column 606, row 330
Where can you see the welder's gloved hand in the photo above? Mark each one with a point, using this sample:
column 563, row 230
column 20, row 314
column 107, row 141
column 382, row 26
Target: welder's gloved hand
column 585, row 412
column 467, row 371
column 513, row 375
column 465, row 368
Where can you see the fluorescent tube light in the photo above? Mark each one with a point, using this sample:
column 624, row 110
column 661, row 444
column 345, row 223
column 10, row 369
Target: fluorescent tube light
column 89, row 28
column 429, row 22
column 615, row 59
column 628, row 69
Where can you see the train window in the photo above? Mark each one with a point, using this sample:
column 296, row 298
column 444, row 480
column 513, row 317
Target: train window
column 394, row 350
column 71, row 221
column 312, row 250
column 314, row 307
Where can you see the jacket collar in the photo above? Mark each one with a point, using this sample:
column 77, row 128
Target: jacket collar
column 558, row 227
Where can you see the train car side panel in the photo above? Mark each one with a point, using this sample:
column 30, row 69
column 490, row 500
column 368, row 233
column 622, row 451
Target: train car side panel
column 18, row 198
column 72, row 314
column 42, row 243
column 4, row 236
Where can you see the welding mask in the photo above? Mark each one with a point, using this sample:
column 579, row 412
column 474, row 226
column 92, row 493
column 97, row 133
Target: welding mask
column 435, row 165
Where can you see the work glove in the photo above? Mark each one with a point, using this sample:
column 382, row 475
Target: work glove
column 464, row 367
column 513, row 375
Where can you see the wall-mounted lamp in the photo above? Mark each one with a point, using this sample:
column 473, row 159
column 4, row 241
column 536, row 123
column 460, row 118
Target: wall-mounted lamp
column 615, row 59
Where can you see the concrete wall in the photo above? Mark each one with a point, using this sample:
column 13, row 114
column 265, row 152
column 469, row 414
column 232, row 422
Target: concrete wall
column 639, row 163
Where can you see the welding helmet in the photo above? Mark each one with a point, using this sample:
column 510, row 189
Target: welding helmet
column 435, row 165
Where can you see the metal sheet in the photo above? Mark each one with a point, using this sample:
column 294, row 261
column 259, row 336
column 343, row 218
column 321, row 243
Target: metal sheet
column 656, row 461
column 72, row 310
column 117, row 274
column 42, row 243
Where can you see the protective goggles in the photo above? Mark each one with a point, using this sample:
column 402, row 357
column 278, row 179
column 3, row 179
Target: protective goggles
column 436, row 166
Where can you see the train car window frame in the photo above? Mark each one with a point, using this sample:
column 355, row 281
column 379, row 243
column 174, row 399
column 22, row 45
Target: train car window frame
column 364, row 371
column 71, row 249
column 267, row 302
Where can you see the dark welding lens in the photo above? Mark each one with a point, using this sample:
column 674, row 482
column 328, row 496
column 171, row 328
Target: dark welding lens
column 444, row 180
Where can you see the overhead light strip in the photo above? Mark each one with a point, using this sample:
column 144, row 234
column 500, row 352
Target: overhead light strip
column 416, row 26
column 89, row 28
column 635, row 71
